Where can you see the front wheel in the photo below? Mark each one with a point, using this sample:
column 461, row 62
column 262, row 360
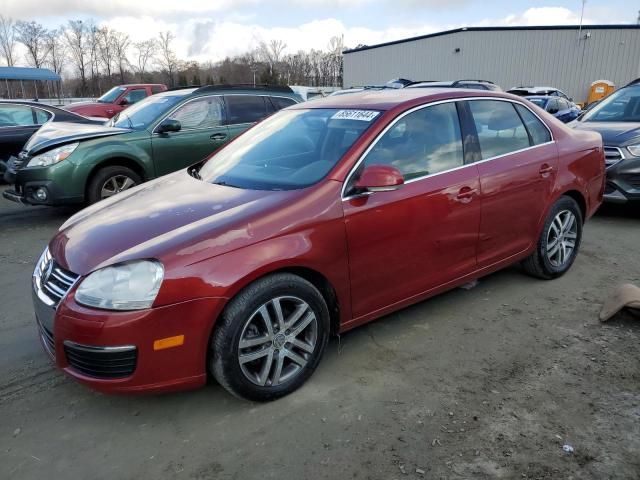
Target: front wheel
column 109, row 181
column 559, row 241
column 270, row 338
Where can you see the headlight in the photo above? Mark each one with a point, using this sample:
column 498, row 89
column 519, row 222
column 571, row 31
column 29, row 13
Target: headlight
column 125, row 286
column 634, row 150
column 52, row 156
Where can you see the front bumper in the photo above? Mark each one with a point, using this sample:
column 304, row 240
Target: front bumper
column 114, row 352
column 25, row 193
column 623, row 180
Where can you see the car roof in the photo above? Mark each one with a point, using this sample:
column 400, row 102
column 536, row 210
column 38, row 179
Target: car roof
column 536, row 89
column 388, row 99
column 30, row 103
column 540, row 97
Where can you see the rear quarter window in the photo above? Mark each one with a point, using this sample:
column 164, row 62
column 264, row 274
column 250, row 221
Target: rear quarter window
column 282, row 102
column 537, row 130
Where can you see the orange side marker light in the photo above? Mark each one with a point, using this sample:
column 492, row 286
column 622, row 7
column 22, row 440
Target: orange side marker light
column 168, row 342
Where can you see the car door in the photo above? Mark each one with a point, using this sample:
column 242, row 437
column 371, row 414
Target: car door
column 243, row 111
column 517, row 173
column 17, row 124
column 202, row 133
column 406, row 242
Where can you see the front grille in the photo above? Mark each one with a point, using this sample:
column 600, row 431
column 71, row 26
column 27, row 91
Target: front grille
column 53, row 280
column 101, row 362
column 612, row 155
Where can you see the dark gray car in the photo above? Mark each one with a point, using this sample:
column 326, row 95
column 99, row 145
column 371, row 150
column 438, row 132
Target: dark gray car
column 617, row 119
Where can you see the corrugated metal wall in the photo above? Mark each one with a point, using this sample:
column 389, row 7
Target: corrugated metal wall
column 507, row 57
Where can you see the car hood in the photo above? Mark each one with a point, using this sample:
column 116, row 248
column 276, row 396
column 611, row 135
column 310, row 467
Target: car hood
column 614, row 134
column 176, row 219
column 56, row 133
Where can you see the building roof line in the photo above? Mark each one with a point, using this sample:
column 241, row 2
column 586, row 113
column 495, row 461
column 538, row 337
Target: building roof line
column 626, row 26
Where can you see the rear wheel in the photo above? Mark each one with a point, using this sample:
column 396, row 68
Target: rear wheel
column 559, row 241
column 109, row 181
column 270, row 338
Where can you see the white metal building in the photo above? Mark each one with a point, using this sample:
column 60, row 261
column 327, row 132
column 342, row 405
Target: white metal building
column 565, row 57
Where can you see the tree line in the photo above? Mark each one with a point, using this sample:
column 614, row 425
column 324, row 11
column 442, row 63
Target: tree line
column 100, row 57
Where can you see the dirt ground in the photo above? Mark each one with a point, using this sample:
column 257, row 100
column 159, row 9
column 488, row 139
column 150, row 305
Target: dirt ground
column 483, row 383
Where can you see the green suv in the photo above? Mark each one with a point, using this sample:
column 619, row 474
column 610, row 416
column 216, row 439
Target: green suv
column 66, row 163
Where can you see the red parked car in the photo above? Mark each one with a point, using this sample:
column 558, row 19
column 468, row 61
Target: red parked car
column 116, row 100
column 321, row 218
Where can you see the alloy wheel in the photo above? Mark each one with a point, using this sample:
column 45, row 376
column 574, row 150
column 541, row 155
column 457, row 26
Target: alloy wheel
column 116, row 184
column 561, row 238
column 277, row 341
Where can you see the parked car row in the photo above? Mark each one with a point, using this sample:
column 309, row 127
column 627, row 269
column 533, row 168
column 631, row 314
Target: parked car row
column 67, row 163
column 322, row 217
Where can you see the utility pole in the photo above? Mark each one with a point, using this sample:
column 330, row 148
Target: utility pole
column 581, row 17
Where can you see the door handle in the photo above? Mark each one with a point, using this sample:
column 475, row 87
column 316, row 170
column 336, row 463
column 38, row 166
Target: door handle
column 465, row 194
column 545, row 170
column 218, row 136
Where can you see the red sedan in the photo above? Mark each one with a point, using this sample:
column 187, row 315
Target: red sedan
column 323, row 217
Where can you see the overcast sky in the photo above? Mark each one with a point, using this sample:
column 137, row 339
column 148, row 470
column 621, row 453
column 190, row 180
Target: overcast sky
column 212, row 29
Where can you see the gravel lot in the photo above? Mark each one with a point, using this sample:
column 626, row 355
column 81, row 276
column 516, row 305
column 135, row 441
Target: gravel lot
column 481, row 383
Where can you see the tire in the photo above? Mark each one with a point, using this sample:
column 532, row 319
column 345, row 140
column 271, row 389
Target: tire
column 243, row 320
column 548, row 263
column 103, row 178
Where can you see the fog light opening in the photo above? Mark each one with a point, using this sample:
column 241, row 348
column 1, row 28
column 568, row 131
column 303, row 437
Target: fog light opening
column 41, row 194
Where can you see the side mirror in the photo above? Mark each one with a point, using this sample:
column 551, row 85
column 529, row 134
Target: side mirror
column 379, row 178
column 169, row 125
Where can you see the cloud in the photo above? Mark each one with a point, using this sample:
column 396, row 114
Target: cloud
column 24, row 9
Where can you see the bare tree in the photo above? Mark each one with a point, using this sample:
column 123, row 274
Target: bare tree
column 33, row 36
column 271, row 53
column 144, row 51
column 121, row 43
column 76, row 37
column 94, row 58
column 7, row 40
column 106, row 49
column 167, row 58
column 57, row 50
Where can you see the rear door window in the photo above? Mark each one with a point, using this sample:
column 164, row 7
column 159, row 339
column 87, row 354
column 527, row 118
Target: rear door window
column 500, row 130
column 537, row 130
column 245, row 108
column 421, row 143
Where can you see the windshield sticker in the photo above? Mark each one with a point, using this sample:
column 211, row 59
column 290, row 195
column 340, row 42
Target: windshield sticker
column 362, row 115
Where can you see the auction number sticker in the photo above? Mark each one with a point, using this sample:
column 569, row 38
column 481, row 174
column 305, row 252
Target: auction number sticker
column 362, row 115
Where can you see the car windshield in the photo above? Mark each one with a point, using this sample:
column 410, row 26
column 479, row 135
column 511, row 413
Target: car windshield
column 289, row 150
column 145, row 112
column 111, row 95
column 620, row 106
column 541, row 102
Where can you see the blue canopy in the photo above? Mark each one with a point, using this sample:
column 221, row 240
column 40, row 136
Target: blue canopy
column 22, row 73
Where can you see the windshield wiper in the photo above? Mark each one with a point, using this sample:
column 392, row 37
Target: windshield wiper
column 224, row 184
